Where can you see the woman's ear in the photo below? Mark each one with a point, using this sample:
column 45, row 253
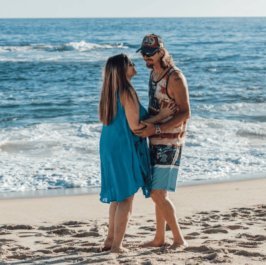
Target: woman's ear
column 162, row 53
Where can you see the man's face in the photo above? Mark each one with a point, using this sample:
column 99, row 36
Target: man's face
column 152, row 60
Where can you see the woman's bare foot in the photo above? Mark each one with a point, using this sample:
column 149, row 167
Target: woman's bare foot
column 108, row 243
column 154, row 243
column 119, row 250
column 177, row 245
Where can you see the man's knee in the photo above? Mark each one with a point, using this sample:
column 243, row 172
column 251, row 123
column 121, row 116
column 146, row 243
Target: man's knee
column 158, row 196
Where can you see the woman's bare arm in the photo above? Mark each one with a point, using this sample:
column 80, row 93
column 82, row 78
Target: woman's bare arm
column 132, row 106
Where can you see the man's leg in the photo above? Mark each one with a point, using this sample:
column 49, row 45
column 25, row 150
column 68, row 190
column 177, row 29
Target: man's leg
column 111, row 230
column 159, row 239
column 160, row 226
column 168, row 211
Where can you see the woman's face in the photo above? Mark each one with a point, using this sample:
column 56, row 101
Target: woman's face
column 131, row 70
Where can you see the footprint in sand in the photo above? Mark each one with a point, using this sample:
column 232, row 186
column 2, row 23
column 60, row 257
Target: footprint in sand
column 87, row 234
column 64, row 249
column 17, row 227
column 62, row 231
column 99, row 229
column 249, row 244
column 3, row 240
column 45, row 251
column 149, row 228
column 75, row 223
column 215, row 217
column 132, row 236
column 217, row 258
column 18, row 247
column 23, row 256
column 185, row 222
column 63, row 241
column 194, row 234
column 197, row 249
column 215, row 231
column 53, row 227
column 131, row 261
column 45, row 242
column 252, row 237
column 88, row 244
column 236, row 227
column 203, row 213
column 4, row 232
column 245, row 253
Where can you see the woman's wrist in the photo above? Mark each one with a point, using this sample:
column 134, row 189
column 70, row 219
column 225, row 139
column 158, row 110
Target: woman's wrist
column 160, row 117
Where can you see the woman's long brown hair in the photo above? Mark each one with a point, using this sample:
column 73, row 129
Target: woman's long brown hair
column 115, row 81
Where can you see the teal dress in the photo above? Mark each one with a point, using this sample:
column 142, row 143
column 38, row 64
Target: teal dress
column 125, row 160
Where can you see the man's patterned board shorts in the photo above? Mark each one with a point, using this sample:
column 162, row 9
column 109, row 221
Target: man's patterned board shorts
column 165, row 162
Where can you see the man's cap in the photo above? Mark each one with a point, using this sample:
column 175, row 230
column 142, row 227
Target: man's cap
column 151, row 43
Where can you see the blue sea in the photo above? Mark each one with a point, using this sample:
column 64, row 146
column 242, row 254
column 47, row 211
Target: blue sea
column 50, row 82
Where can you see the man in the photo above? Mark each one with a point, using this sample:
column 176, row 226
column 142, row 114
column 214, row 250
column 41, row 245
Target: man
column 167, row 85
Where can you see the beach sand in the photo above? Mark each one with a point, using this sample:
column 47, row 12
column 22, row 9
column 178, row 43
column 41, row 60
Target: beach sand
column 223, row 223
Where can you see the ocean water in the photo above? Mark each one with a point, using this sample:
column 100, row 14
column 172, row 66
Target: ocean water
column 50, row 82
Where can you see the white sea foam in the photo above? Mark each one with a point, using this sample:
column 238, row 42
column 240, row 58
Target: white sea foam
column 67, row 155
column 73, row 51
column 241, row 108
column 217, row 148
column 81, row 46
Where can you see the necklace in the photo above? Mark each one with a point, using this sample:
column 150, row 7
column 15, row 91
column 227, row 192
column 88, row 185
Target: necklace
column 158, row 76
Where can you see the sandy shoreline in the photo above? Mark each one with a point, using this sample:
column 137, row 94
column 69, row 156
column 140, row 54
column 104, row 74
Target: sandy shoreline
column 223, row 223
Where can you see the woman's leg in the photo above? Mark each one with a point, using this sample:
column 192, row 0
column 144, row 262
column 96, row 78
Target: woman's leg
column 123, row 211
column 111, row 230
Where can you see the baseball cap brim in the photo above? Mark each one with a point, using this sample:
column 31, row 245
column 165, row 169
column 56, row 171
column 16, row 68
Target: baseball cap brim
column 147, row 49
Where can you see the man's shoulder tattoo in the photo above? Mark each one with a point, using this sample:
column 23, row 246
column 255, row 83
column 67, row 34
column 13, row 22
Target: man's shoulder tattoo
column 178, row 78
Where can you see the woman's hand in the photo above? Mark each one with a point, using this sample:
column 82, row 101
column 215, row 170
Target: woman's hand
column 167, row 111
column 147, row 131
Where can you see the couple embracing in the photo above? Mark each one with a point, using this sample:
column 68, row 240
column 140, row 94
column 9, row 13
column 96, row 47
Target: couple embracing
column 127, row 162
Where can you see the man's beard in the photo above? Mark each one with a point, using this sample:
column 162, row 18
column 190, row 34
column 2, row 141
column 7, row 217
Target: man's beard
column 149, row 65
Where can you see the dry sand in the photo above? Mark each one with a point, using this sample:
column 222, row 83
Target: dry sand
column 223, row 223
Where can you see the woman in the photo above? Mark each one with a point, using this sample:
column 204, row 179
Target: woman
column 125, row 162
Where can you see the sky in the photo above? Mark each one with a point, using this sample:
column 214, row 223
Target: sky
column 131, row 8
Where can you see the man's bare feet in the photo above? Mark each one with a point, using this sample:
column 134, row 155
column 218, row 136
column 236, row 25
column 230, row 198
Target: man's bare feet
column 108, row 243
column 154, row 243
column 119, row 250
column 177, row 245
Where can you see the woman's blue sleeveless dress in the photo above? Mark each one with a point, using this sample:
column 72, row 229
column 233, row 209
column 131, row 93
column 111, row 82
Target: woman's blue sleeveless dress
column 125, row 159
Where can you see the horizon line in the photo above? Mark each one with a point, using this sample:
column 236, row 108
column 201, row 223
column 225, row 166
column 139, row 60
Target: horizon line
column 130, row 17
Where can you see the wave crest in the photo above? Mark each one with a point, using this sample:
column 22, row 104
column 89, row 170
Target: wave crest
column 81, row 46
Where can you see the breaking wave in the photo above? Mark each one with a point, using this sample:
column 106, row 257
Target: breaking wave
column 81, row 46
